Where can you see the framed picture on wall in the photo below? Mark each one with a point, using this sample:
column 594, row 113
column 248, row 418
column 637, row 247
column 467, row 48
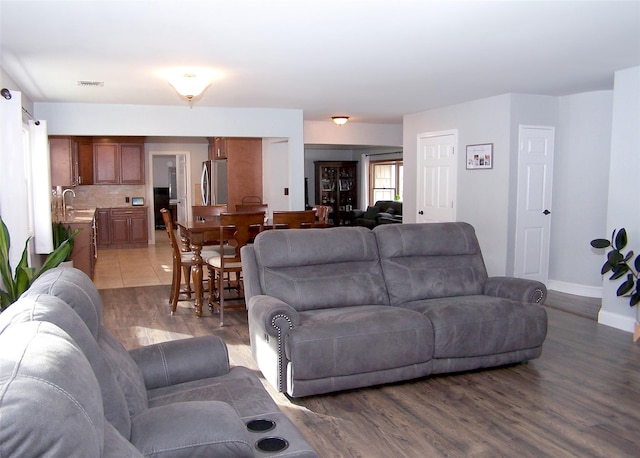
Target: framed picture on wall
column 480, row 156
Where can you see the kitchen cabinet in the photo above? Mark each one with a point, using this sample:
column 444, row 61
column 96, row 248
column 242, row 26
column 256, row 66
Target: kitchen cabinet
column 103, row 236
column 71, row 160
column 337, row 187
column 118, row 160
column 217, row 148
column 244, row 166
column 122, row 227
column 84, row 252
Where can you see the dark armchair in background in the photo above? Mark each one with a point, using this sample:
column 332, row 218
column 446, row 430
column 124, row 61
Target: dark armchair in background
column 382, row 212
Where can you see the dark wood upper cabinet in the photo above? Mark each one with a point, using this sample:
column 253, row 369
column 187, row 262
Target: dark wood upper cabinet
column 118, row 161
column 71, row 160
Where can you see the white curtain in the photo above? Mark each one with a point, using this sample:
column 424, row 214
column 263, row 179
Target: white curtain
column 19, row 188
column 40, row 188
column 364, row 186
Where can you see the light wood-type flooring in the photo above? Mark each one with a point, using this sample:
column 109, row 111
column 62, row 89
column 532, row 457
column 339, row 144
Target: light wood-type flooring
column 581, row 398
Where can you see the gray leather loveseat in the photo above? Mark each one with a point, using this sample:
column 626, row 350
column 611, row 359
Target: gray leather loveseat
column 347, row 307
column 69, row 388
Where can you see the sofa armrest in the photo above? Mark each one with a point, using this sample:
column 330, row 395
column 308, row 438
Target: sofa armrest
column 517, row 289
column 272, row 314
column 194, row 428
column 358, row 213
column 179, row 361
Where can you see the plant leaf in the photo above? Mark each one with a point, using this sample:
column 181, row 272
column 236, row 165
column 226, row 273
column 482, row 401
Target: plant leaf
column 636, row 264
column 625, row 287
column 614, row 257
column 628, row 256
column 635, row 299
column 5, row 267
column 621, row 239
column 606, row 267
column 619, row 271
column 600, row 243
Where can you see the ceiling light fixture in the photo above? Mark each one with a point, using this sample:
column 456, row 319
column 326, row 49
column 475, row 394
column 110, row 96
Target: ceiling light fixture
column 190, row 84
column 340, row 120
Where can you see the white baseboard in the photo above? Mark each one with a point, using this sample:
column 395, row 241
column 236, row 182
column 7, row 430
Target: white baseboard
column 624, row 323
column 574, row 288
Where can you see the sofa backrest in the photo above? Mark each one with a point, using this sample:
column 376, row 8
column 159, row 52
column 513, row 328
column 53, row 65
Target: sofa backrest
column 424, row 261
column 385, row 205
column 77, row 290
column 50, row 403
column 320, row 268
column 50, row 309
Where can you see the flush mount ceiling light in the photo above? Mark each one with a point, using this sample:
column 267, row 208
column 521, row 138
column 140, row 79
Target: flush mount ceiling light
column 340, row 120
column 190, row 84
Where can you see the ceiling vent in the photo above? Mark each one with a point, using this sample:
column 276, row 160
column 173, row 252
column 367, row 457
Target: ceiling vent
column 91, row 83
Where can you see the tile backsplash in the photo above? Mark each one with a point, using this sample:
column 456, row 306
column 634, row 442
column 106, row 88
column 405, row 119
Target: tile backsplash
column 107, row 196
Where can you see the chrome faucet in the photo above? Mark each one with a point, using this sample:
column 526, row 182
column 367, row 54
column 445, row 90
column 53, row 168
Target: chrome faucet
column 64, row 202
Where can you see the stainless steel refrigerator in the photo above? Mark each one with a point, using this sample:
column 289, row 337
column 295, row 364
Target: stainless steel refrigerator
column 213, row 182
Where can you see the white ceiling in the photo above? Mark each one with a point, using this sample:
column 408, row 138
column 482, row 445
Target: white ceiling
column 374, row 60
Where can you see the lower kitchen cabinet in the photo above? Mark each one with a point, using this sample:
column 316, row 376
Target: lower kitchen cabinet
column 122, row 227
column 84, row 248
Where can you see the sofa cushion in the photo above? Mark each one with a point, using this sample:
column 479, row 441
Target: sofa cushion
column 191, row 429
column 346, row 341
column 425, row 261
column 320, row 268
column 50, row 403
column 469, row 326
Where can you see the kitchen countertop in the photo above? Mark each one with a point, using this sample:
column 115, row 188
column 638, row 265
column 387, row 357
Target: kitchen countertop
column 78, row 216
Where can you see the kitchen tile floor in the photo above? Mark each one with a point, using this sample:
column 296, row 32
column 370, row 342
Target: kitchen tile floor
column 121, row 268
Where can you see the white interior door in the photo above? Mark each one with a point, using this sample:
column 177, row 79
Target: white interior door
column 535, row 173
column 182, row 186
column 437, row 177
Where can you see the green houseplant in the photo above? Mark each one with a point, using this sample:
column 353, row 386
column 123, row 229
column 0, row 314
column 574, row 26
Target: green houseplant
column 17, row 282
column 62, row 233
column 621, row 265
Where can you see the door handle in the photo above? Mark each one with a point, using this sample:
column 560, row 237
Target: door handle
column 420, row 212
column 546, row 212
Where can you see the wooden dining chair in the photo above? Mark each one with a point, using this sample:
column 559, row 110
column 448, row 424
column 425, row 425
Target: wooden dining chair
column 203, row 212
column 293, row 219
column 252, row 200
column 322, row 213
column 251, row 208
column 236, row 230
column 182, row 263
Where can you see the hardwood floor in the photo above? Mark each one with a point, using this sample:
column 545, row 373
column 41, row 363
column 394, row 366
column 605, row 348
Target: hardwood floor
column 580, row 398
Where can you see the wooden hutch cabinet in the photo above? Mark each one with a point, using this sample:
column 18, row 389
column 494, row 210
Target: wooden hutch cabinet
column 337, row 187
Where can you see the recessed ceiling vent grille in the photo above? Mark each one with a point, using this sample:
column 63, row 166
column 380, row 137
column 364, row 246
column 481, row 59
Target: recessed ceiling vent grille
column 91, row 83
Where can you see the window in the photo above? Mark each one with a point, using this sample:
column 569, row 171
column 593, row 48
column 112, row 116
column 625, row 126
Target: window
column 385, row 181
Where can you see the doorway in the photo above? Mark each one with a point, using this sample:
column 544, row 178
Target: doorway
column 168, row 185
column 437, row 177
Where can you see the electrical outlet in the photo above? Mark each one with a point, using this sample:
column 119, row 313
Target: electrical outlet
column 126, row 200
column 286, row 191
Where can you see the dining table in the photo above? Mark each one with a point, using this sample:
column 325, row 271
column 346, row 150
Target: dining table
column 196, row 233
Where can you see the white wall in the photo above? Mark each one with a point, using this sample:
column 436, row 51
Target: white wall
column 623, row 205
column 531, row 110
column 177, row 121
column 352, row 133
column 580, row 188
column 482, row 195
